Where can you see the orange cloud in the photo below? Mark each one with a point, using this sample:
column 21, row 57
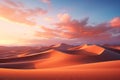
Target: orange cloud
column 47, row 32
column 79, row 29
column 68, row 28
column 115, row 22
column 44, row 34
column 18, row 13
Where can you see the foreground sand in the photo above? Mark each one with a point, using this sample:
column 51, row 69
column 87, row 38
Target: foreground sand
column 94, row 71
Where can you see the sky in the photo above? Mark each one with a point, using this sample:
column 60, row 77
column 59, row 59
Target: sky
column 48, row 22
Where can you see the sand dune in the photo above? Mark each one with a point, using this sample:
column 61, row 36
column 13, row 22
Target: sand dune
column 63, row 62
column 96, row 71
column 22, row 55
column 54, row 58
column 58, row 58
column 107, row 64
column 78, row 47
column 61, row 47
column 115, row 47
column 97, row 50
column 57, row 45
column 92, row 49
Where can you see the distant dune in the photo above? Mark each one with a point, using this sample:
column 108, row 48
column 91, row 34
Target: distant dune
column 115, row 47
column 92, row 49
column 96, row 50
column 61, row 47
column 78, row 47
column 61, row 62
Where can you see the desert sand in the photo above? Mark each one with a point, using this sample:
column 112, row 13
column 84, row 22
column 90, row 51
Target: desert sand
column 78, row 47
column 95, row 71
column 86, row 62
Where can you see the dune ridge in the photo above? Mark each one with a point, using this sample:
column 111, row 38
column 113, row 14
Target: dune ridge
column 97, row 50
column 78, row 47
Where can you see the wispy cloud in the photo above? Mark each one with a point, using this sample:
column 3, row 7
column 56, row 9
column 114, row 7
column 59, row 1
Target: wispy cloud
column 17, row 12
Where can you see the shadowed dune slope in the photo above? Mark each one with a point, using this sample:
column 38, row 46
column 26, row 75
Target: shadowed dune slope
column 61, row 47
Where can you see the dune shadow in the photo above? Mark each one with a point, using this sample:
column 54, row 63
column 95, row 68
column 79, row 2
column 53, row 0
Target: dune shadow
column 18, row 66
column 25, row 58
column 107, row 55
column 26, row 62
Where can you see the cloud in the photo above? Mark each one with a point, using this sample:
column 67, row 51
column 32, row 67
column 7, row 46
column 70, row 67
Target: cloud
column 48, row 19
column 64, row 17
column 68, row 28
column 15, row 4
column 46, row 1
column 115, row 22
column 17, row 12
column 47, row 32
column 80, row 29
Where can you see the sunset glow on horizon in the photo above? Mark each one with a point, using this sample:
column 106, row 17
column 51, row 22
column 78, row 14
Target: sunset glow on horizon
column 31, row 22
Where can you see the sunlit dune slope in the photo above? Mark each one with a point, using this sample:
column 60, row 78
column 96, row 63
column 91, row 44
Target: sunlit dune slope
column 22, row 55
column 58, row 58
column 57, row 45
column 96, row 71
column 115, row 47
column 92, row 49
column 78, row 47
column 99, row 65
column 97, row 50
